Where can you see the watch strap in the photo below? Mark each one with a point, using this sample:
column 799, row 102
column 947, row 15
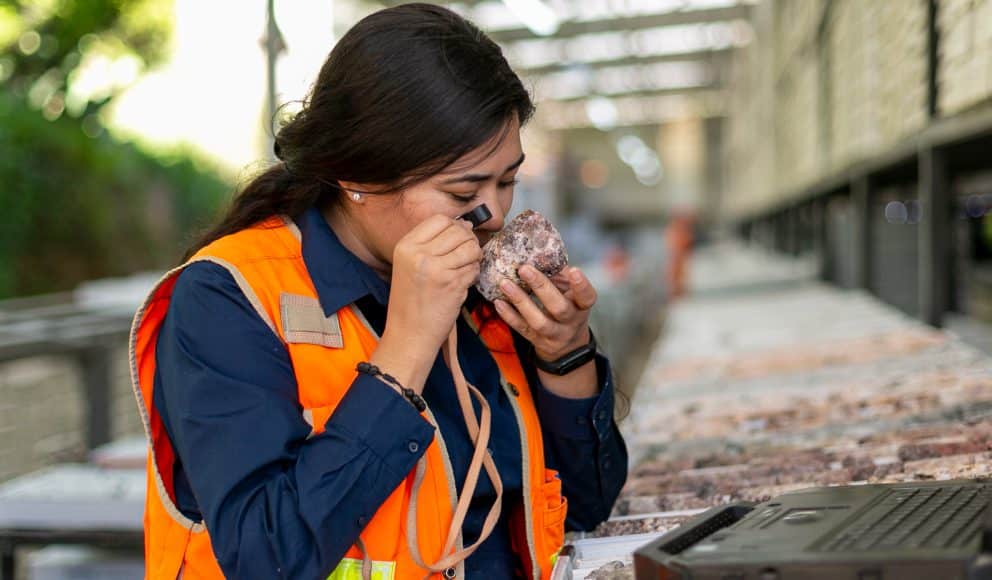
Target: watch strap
column 571, row 360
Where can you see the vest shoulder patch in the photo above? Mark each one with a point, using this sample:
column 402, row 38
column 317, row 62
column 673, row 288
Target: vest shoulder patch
column 303, row 321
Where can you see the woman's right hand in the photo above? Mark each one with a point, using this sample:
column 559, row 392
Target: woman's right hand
column 434, row 265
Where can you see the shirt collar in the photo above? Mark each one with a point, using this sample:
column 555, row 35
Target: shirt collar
column 339, row 277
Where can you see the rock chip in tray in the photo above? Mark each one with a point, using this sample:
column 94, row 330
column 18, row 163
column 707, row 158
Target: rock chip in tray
column 645, row 525
column 615, row 570
column 529, row 238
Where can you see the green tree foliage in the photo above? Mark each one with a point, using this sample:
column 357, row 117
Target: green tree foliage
column 75, row 203
column 74, row 207
column 47, row 43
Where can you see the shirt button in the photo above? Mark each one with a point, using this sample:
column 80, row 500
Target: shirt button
column 413, row 446
column 601, row 416
column 362, row 520
column 607, row 463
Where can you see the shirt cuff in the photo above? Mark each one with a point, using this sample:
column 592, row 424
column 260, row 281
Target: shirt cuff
column 581, row 419
column 385, row 421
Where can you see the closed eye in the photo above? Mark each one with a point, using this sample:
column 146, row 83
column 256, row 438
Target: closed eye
column 468, row 197
column 464, row 198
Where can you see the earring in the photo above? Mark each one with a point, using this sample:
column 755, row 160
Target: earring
column 356, row 196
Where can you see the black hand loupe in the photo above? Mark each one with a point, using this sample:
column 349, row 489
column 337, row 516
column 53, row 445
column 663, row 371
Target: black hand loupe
column 477, row 216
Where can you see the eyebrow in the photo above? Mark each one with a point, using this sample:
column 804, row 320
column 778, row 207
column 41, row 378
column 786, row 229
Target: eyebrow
column 479, row 177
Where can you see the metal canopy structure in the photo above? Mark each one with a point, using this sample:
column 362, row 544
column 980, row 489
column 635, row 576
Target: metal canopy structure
column 648, row 60
column 631, row 110
column 706, row 55
column 636, row 22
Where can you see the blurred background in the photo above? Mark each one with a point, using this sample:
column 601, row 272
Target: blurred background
column 853, row 138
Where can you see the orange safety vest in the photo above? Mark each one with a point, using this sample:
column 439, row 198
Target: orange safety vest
column 267, row 263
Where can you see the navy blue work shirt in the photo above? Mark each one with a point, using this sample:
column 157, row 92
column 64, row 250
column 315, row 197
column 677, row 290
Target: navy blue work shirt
column 278, row 504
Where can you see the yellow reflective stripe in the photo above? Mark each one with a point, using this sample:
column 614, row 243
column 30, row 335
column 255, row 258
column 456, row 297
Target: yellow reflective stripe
column 351, row 569
column 554, row 557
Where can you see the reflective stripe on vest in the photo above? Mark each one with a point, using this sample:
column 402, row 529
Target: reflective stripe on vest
column 266, row 262
column 351, row 569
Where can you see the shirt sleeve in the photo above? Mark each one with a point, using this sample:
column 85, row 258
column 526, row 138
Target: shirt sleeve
column 277, row 503
column 582, row 442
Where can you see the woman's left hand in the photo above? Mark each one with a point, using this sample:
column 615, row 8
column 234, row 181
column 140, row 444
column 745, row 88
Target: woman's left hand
column 563, row 324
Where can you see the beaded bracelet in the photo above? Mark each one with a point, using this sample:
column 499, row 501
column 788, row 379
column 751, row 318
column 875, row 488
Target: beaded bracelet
column 372, row 370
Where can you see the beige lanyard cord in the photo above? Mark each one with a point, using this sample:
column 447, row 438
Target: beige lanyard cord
column 480, row 458
column 480, row 435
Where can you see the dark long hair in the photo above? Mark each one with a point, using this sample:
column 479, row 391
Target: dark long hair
column 404, row 93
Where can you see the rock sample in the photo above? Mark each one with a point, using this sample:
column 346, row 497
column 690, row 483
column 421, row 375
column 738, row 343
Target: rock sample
column 529, row 238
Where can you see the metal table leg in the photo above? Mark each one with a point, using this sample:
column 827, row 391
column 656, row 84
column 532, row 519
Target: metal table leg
column 7, row 564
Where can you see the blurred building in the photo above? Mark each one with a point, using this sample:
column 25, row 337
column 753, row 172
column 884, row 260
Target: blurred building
column 860, row 131
column 829, row 83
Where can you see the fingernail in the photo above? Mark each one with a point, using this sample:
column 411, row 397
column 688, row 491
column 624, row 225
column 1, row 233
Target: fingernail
column 507, row 287
column 575, row 275
column 526, row 273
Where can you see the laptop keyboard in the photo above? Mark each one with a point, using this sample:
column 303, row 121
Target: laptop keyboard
column 931, row 517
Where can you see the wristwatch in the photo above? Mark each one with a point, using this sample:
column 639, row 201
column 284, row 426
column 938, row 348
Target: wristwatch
column 571, row 361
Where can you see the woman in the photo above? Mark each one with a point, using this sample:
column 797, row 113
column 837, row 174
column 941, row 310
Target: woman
column 302, row 417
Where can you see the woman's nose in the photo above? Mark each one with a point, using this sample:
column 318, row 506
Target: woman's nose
column 495, row 223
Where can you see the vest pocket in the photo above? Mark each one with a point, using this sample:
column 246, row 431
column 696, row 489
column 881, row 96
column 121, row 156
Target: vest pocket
column 555, row 510
column 553, row 500
column 555, row 504
column 303, row 321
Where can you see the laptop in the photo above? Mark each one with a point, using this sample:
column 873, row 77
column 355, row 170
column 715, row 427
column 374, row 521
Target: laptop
column 906, row 531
